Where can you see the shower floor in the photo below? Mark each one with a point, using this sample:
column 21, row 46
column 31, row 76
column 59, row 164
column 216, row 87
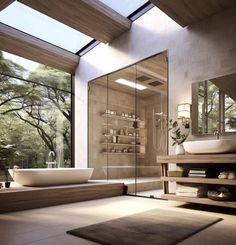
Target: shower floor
column 144, row 184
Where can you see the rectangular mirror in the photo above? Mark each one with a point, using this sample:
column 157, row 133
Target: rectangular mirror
column 214, row 105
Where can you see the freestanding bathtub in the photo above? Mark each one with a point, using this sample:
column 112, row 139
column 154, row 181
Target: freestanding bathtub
column 51, row 176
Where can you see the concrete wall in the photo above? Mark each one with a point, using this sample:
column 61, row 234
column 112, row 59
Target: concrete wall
column 201, row 51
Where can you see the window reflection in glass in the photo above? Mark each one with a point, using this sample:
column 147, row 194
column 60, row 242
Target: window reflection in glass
column 208, row 107
column 230, row 114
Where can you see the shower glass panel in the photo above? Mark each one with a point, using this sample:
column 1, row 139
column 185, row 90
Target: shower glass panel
column 128, row 126
column 151, row 105
column 98, row 129
column 120, row 120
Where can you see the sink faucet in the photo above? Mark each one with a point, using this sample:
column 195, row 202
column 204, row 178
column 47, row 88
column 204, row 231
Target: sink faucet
column 217, row 134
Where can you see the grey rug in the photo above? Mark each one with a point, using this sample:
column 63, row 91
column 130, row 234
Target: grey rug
column 156, row 226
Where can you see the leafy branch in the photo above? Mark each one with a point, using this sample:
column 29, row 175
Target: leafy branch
column 177, row 136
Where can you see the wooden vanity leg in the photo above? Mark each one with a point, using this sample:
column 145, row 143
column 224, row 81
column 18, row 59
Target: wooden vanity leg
column 164, row 168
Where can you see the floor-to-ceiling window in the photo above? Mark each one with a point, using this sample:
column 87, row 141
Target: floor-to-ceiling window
column 35, row 114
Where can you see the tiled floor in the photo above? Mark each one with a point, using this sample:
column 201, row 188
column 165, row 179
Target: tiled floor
column 48, row 225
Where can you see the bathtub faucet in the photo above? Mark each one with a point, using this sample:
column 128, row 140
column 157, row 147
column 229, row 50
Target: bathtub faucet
column 217, row 134
column 51, row 156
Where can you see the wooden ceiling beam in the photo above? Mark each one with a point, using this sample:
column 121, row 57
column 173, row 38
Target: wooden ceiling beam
column 187, row 12
column 90, row 17
column 29, row 47
column 5, row 3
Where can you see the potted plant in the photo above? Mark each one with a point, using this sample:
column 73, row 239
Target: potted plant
column 6, row 158
column 177, row 136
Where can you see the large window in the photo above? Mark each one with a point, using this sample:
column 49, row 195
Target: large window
column 35, row 115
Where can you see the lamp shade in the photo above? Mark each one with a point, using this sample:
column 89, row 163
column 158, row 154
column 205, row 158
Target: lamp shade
column 184, row 110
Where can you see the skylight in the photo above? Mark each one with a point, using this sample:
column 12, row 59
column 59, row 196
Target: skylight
column 124, row 7
column 130, row 84
column 26, row 19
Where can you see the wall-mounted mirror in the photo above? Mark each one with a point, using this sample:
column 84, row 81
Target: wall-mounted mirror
column 214, row 105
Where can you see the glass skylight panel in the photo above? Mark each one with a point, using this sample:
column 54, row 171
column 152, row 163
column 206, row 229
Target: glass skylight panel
column 124, row 7
column 26, row 19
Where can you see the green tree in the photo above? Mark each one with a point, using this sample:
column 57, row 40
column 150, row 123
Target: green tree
column 38, row 108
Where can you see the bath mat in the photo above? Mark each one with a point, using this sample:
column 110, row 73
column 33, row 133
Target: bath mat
column 156, row 226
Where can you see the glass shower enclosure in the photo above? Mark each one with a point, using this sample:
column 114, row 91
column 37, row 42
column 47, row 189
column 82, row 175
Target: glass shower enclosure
column 128, row 125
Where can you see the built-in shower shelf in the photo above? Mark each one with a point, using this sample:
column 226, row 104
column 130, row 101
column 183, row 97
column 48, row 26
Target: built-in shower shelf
column 111, row 125
column 121, row 153
column 120, row 135
column 120, row 144
column 120, row 117
column 128, row 166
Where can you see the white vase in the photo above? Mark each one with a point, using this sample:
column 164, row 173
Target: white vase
column 179, row 150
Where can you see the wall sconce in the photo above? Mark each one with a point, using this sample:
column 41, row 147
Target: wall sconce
column 184, row 112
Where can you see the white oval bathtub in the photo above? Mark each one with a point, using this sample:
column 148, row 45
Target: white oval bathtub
column 51, row 176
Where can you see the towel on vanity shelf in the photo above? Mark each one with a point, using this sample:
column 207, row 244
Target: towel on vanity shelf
column 190, row 191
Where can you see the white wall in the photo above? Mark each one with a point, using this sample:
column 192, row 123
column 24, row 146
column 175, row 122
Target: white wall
column 204, row 50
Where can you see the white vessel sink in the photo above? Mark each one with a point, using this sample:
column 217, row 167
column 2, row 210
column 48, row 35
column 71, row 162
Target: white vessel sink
column 210, row 146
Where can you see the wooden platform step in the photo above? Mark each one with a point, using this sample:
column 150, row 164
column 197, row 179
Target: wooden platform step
column 144, row 186
column 15, row 199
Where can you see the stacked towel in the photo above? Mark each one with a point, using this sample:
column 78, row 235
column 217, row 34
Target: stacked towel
column 191, row 191
column 197, row 173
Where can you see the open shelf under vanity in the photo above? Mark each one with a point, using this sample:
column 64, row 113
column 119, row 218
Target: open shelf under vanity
column 212, row 162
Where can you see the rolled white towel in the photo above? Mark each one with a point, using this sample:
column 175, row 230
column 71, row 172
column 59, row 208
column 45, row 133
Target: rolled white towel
column 223, row 175
column 232, row 175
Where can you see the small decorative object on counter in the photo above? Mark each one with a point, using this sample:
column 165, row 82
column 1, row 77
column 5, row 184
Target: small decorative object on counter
column 179, row 150
column 177, row 136
column 131, row 150
column 122, row 132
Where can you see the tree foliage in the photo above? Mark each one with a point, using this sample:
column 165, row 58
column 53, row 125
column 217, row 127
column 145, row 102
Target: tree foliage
column 34, row 115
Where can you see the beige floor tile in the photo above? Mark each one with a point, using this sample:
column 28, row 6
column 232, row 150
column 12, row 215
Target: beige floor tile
column 49, row 225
